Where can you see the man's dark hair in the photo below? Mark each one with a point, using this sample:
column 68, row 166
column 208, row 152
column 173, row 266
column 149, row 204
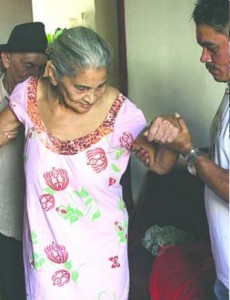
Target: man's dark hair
column 214, row 13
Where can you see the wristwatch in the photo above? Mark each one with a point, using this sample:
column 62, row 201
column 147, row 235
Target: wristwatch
column 191, row 158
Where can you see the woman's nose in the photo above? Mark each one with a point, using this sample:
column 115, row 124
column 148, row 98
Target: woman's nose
column 90, row 96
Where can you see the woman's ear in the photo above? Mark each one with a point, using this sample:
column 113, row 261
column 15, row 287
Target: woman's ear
column 52, row 74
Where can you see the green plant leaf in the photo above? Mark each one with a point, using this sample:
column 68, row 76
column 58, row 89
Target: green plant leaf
column 68, row 265
column 75, row 276
column 115, row 168
column 49, row 190
column 96, row 215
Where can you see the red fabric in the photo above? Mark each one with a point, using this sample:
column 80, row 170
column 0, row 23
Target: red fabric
column 182, row 272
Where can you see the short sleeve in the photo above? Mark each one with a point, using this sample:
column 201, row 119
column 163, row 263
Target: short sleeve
column 129, row 123
column 18, row 100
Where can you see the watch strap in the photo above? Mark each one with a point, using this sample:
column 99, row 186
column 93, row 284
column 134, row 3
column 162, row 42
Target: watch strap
column 191, row 158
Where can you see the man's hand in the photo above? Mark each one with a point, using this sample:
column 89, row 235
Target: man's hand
column 9, row 126
column 172, row 132
column 163, row 130
column 10, row 134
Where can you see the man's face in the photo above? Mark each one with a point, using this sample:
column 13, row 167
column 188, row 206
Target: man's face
column 215, row 52
column 19, row 66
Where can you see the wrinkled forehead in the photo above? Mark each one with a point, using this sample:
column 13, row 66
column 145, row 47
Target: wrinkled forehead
column 207, row 34
column 29, row 57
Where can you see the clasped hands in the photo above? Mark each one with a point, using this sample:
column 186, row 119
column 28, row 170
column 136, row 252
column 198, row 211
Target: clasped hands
column 166, row 131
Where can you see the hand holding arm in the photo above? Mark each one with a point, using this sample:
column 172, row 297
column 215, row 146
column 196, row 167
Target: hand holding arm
column 214, row 176
column 158, row 158
column 172, row 132
column 8, row 126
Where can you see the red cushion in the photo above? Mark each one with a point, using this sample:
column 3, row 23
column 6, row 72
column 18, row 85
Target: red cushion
column 182, row 272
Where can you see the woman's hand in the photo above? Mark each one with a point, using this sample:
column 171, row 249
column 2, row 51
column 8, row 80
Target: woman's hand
column 142, row 154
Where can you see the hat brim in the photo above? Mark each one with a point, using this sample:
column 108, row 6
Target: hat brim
column 7, row 48
column 2, row 48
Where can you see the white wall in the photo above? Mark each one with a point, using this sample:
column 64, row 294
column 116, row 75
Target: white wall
column 12, row 13
column 107, row 26
column 164, row 72
column 63, row 14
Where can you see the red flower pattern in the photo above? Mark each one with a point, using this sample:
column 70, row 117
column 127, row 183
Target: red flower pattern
column 56, row 253
column 57, row 179
column 97, row 159
column 111, row 181
column 115, row 264
column 47, row 201
column 126, row 140
column 61, row 277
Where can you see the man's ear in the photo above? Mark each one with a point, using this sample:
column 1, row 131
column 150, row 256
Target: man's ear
column 6, row 59
column 51, row 74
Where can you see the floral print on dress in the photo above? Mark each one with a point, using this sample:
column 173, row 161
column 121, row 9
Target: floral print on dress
column 68, row 212
column 74, row 213
column 57, row 179
column 112, row 181
column 32, row 237
column 56, row 253
column 64, row 208
column 31, row 133
column 97, row 159
column 115, row 262
column 47, row 201
column 121, row 205
column 36, row 260
column 61, row 277
column 126, row 140
column 122, row 231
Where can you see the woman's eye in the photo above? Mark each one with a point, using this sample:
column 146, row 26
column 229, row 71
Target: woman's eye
column 100, row 87
column 81, row 89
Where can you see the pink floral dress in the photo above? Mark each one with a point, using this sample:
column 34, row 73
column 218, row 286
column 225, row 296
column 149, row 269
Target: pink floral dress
column 75, row 225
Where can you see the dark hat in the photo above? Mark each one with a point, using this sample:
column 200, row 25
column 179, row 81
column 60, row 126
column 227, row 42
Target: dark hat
column 28, row 37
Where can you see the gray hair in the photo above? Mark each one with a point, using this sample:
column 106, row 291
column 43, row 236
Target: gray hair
column 77, row 49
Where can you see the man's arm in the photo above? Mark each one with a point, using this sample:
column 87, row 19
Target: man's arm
column 215, row 177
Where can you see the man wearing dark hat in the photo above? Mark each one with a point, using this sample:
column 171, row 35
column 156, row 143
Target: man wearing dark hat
column 23, row 55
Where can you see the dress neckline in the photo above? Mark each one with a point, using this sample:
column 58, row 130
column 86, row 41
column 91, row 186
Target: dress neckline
column 70, row 147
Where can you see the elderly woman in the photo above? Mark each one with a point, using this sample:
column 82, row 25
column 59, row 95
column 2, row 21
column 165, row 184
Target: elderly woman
column 79, row 133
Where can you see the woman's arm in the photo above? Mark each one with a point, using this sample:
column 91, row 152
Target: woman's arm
column 158, row 158
column 8, row 126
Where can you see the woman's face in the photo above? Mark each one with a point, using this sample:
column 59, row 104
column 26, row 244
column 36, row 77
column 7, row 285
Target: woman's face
column 81, row 92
